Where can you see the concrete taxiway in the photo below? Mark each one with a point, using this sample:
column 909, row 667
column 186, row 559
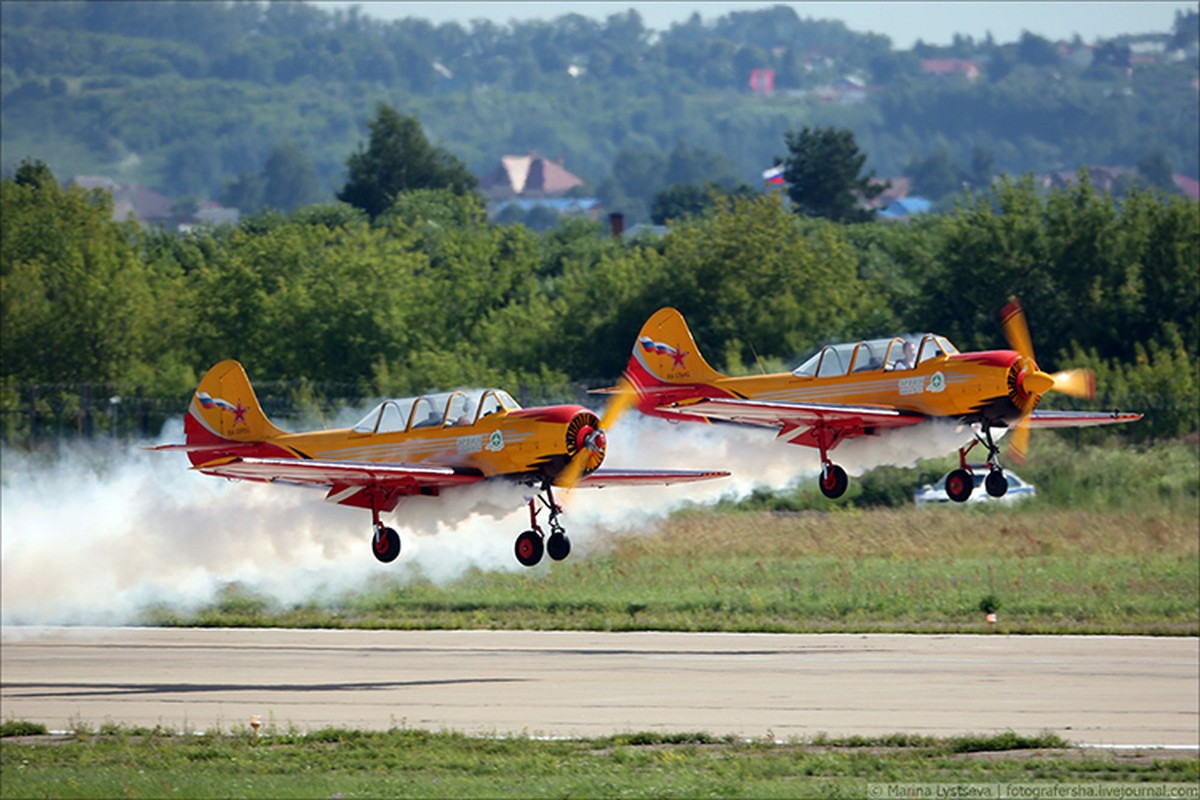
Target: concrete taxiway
column 1096, row 690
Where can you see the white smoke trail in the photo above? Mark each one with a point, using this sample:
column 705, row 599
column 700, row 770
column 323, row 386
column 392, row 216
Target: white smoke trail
column 97, row 536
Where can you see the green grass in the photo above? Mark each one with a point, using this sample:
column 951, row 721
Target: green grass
column 1108, row 546
column 911, row 570
column 413, row 763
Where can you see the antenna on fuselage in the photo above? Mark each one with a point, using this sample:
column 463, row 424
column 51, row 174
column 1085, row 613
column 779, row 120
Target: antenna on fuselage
column 757, row 360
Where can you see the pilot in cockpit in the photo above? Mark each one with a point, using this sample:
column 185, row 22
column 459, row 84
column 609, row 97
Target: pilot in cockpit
column 909, row 359
column 463, row 419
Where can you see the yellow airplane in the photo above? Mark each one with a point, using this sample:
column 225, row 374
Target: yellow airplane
column 865, row 388
column 413, row 447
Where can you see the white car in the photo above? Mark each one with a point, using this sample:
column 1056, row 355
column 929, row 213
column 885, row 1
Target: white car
column 935, row 493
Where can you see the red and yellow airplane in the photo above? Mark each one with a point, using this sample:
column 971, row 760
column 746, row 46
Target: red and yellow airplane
column 864, row 388
column 412, row 447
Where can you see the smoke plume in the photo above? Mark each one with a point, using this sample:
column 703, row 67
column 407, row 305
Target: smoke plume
column 102, row 532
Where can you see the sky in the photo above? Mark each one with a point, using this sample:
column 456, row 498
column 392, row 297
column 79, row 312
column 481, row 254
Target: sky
column 934, row 22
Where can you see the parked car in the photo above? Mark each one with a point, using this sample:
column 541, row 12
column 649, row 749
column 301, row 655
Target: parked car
column 935, row 493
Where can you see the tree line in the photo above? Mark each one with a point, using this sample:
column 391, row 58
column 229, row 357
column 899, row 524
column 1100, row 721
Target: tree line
column 329, row 304
column 215, row 99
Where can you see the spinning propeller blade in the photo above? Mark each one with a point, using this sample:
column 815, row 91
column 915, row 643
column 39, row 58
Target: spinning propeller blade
column 622, row 400
column 1016, row 330
column 1033, row 382
column 1076, row 383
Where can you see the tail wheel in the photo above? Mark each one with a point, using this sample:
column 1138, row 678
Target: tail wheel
column 996, row 484
column 558, row 546
column 959, row 484
column 529, row 548
column 385, row 544
column 833, row 481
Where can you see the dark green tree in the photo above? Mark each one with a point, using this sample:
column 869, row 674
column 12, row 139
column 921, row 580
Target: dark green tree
column 679, row 200
column 823, row 174
column 936, row 175
column 289, row 178
column 399, row 159
column 1155, row 169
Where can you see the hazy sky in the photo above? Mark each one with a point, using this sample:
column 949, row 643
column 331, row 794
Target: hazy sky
column 935, row 22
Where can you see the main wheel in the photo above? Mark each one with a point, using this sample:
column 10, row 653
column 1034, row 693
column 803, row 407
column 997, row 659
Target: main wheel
column 959, row 485
column 834, row 482
column 996, row 484
column 558, row 546
column 529, row 548
column 385, row 544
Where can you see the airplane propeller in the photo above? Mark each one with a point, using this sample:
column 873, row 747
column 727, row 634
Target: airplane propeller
column 1031, row 382
column 595, row 441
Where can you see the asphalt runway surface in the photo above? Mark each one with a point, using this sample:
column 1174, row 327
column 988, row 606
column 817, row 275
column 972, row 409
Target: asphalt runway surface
column 1093, row 690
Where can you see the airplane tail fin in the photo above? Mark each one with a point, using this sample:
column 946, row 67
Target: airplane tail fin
column 225, row 409
column 665, row 354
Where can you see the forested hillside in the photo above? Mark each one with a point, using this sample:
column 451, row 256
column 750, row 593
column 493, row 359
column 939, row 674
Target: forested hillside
column 190, row 98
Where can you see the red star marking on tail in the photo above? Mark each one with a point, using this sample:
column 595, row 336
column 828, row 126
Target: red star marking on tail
column 239, row 413
column 677, row 358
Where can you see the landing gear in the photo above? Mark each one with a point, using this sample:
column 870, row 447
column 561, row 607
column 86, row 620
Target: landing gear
column 385, row 544
column 558, row 546
column 529, row 548
column 833, row 480
column 961, row 482
column 995, row 483
column 533, row 543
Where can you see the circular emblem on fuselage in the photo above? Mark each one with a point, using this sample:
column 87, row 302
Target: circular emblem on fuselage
column 495, row 442
column 937, row 382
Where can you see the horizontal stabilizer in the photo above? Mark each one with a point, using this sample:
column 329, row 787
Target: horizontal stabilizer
column 655, row 477
column 1079, row 419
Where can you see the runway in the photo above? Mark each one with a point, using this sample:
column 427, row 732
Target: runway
column 1094, row 690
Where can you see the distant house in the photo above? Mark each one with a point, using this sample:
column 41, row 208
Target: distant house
column 528, row 176
column 1101, row 177
column 129, row 199
column 1189, row 186
column 898, row 190
column 209, row 215
column 905, row 208
column 951, row 66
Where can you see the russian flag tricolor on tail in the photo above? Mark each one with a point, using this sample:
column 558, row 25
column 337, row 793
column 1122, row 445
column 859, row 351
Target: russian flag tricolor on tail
column 208, row 401
column 651, row 346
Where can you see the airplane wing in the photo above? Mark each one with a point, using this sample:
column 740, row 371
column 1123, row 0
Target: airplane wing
column 794, row 415
column 1079, row 419
column 327, row 474
column 660, row 477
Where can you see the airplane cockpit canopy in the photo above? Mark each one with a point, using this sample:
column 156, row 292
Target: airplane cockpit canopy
column 896, row 353
column 444, row 409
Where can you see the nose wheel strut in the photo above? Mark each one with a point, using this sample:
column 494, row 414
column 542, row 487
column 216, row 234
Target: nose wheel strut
column 531, row 544
column 961, row 482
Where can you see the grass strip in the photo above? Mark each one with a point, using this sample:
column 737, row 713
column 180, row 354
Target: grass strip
column 888, row 570
column 415, row 763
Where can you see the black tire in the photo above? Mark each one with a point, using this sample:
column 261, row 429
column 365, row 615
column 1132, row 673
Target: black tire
column 834, row 482
column 959, row 485
column 996, row 484
column 385, row 544
column 558, row 546
column 529, row 548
